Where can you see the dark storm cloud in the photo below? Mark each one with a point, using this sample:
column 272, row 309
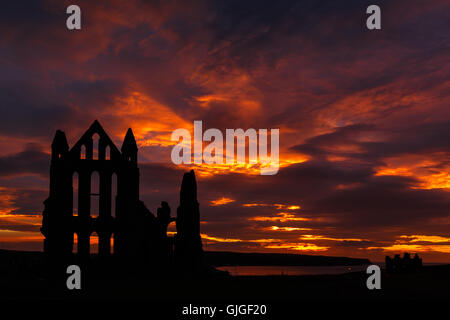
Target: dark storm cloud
column 356, row 244
column 6, row 224
column 32, row 106
column 417, row 139
column 160, row 182
column 298, row 182
column 384, row 202
column 89, row 94
column 22, row 201
column 32, row 160
column 29, row 201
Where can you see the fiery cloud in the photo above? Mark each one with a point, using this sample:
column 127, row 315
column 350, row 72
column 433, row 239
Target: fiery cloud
column 363, row 117
column 288, row 229
column 418, row 243
column 281, row 217
column 309, row 237
column 276, row 205
column 298, row 247
column 222, row 201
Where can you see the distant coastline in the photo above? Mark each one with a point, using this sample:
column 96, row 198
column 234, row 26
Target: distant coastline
column 227, row 258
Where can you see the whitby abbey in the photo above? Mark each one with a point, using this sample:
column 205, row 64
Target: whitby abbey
column 128, row 232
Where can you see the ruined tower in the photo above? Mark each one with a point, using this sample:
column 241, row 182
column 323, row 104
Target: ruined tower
column 57, row 216
column 188, row 243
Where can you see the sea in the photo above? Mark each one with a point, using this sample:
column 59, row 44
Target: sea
column 296, row 270
column 289, row 270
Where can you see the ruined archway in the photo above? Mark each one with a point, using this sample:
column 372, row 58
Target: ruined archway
column 91, row 185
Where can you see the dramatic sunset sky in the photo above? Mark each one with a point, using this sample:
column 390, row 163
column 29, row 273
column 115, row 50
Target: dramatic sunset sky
column 364, row 116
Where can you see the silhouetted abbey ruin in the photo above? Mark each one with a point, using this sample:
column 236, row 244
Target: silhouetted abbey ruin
column 405, row 264
column 139, row 236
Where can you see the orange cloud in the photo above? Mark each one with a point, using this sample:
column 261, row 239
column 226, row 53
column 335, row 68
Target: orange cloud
column 309, row 237
column 407, row 243
column 222, row 201
column 425, row 238
column 20, row 236
column 209, row 170
column 276, row 205
column 297, row 246
column 152, row 121
column 24, row 218
column 7, row 201
column 219, row 239
column 271, row 243
column 414, row 248
column 281, row 217
column 288, row 229
column 425, row 168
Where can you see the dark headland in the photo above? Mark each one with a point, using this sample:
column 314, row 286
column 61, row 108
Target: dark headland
column 224, row 258
column 25, row 259
column 22, row 276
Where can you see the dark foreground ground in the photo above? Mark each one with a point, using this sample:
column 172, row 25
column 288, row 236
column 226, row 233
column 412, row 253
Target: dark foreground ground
column 19, row 280
column 432, row 283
